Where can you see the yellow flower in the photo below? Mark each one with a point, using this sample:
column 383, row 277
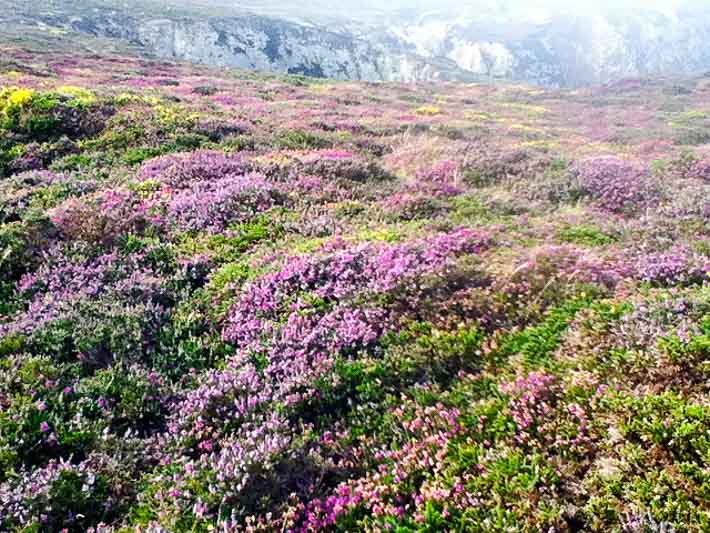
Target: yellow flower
column 21, row 97
column 428, row 110
column 82, row 95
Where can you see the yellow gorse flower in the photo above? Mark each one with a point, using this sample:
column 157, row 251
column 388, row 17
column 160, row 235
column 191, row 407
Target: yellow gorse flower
column 21, row 97
column 427, row 110
column 82, row 95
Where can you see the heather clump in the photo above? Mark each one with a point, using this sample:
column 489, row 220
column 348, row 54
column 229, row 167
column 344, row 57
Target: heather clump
column 102, row 217
column 214, row 205
column 616, row 185
column 290, row 329
column 31, row 194
column 92, row 308
column 420, row 200
column 678, row 266
column 447, row 171
column 39, row 127
column 486, row 165
column 338, row 164
column 182, row 170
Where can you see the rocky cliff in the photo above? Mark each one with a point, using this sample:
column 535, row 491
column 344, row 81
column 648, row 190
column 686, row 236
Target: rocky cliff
column 570, row 49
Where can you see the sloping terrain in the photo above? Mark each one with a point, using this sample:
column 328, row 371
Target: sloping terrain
column 246, row 302
column 543, row 42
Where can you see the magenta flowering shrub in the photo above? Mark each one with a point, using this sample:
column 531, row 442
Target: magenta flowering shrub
column 533, row 399
column 570, row 264
column 37, row 191
column 420, row 199
column 290, row 328
column 615, row 184
column 364, row 269
column 486, row 164
column 184, row 170
column 214, row 205
column 543, row 417
column 33, row 502
column 699, row 169
column 104, row 216
column 90, row 305
column 37, row 156
column 317, row 190
column 338, row 165
column 430, row 431
column 446, row 171
column 678, row 266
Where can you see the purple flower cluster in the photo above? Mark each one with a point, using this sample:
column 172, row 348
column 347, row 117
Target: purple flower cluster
column 289, row 328
column 678, row 266
column 429, row 433
column 102, row 217
column 699, row 170
column 368, row 268
column 19, row 192
column 617, row 185
column 25, row 500
column 572, row 264
column 214, row 205
column 181, row 171
column 419, row 199
column 58, row 288
column 337, row 165
column 446, row 171
column 532, row 400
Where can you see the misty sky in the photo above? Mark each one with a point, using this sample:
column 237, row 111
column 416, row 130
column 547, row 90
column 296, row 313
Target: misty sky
column 524, row 9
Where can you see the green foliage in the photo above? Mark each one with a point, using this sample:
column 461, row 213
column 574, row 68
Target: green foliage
column 300, row 140
column 190, row 342
column 537, row 344
column 586, row 235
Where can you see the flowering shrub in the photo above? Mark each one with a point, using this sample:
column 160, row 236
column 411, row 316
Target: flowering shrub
column 699, row 169
column 183, row 170
column 615, row 184
column 485, row 165
column 103, row 217
column 332, row 164
column 214, row 205
column 91, row 308
column 446, row 171
column 676, row 267
column 420, row 200
column 59, row 496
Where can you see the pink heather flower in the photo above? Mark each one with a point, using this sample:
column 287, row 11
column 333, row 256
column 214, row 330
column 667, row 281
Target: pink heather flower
column 200, row 509
column 616, row 184
column 44, row 427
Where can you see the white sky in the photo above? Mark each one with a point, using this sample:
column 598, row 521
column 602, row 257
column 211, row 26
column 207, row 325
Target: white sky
column 525, row 7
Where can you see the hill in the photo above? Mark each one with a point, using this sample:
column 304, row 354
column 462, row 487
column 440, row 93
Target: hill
column 251, row 302
column 543, row 42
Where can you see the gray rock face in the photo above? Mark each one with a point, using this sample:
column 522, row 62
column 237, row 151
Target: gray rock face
column 590, row 49
column 563, row 51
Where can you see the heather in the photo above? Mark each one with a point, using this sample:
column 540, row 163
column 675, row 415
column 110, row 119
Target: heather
column 242, row 302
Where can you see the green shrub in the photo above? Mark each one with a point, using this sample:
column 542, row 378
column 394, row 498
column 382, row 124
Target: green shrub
column 586, row 235
column 300, row 140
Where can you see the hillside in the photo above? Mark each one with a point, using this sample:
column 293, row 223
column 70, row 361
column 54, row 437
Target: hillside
column 233, row 301
column 544, row 42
